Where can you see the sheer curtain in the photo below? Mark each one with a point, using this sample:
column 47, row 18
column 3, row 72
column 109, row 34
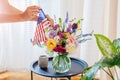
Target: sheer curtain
column 102, row 16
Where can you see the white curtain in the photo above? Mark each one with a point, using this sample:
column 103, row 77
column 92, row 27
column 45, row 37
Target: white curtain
column 102, row 16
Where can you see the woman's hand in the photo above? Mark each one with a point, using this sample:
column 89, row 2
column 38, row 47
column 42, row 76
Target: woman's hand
column 30, row 14
column 50, row 19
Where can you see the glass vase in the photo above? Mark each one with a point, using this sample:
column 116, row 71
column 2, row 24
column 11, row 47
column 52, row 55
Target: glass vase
column 61, row 63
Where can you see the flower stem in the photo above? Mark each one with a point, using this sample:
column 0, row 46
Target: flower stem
column 58, row 59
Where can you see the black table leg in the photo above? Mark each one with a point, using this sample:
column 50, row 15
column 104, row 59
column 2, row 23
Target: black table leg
column 31, row 75
column 51, row 78
column 69, row 78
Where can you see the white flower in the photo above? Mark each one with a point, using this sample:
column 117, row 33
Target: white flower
column 70, row 47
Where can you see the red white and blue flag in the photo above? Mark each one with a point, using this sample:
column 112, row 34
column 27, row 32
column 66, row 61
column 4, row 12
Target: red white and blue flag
column 42, row 24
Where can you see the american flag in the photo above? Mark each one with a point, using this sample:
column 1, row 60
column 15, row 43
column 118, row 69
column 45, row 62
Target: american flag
column 42, row 24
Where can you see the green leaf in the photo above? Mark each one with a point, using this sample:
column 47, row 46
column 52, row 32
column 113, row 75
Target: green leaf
column 78, row 22
column 116, row 43
column 105, row 45
column 116, row 59
column 89, row 75
column 110, row 62
column 87, row 69
column 60, row 21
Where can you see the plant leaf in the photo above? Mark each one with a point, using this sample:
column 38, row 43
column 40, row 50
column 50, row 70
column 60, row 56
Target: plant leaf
column 108, row 62
column 116, row 43
column 87, row 69
column 105, row 45
column 89, row 75
column 111, row 52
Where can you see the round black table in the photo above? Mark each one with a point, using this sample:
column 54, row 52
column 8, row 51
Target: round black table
column 77, row 67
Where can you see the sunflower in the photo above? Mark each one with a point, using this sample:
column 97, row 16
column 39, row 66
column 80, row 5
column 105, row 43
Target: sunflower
column 51, row 44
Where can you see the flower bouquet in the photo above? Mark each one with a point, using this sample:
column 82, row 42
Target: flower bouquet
column 65, row 36
column 62, row 38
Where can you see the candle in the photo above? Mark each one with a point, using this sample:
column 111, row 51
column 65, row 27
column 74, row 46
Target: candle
column 43, row 61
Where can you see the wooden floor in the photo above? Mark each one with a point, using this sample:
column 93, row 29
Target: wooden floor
column 26, row 76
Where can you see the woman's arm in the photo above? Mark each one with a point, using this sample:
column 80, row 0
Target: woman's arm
column 30, row 14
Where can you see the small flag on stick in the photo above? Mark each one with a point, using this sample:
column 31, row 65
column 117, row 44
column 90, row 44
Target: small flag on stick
column 42, row 23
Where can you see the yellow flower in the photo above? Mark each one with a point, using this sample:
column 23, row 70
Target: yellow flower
column 51, row 44
column 70, row 48
column 67, row 34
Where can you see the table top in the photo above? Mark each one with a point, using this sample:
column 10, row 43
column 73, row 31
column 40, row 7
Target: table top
column 77, row 67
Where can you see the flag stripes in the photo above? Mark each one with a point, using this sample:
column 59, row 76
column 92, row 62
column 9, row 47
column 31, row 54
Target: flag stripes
column 40, row 35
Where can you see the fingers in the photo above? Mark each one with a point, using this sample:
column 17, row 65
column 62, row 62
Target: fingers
column 33, row 11
column 34, row 8
column 35, row 18
column 50, row 19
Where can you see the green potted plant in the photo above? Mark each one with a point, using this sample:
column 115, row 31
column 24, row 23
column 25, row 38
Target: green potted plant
column 111, row 57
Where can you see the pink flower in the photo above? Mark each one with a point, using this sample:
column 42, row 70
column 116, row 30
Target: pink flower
column 71, row 39
column 61, row 34
column 55, row 27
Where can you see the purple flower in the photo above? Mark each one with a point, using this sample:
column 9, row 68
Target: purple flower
column 74, row 26
column 69, row 29
column 73, row 30
column 52, row 34
column 67, row 17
